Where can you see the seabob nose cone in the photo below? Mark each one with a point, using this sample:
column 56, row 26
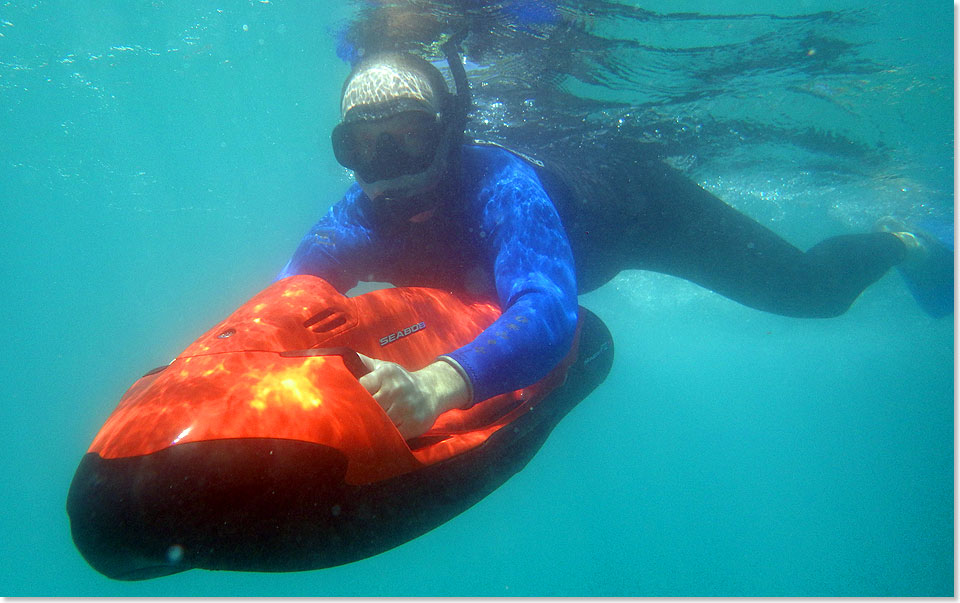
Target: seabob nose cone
column 253, row 504
column 107, row 507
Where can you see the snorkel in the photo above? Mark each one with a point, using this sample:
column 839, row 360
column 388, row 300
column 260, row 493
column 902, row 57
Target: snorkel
column 462, row 100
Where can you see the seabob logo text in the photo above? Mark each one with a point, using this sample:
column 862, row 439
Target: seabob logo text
column 388, row 339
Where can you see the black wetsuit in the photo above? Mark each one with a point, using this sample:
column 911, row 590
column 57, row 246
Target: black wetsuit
column 639, row 213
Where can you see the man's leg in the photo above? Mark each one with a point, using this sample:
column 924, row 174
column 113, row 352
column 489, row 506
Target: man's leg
column 659, row 220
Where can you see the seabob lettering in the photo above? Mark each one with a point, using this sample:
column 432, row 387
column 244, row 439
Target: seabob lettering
column 392, row 337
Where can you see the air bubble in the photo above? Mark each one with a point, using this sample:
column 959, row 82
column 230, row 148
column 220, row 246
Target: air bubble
column 175, row 554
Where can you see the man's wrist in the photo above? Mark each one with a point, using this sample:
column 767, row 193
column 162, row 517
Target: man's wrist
column 449, row 385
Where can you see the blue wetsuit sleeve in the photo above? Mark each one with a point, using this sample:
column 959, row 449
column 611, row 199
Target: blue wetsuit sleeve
column 534, row 274
column 335, row 248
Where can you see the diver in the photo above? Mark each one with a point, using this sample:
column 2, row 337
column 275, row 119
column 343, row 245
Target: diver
column 428, row 209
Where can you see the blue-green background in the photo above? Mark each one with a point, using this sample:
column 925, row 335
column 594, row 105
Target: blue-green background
column 159, row 161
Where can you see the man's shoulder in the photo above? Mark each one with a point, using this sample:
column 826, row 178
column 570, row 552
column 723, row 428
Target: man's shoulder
column 501, row 184
column 487, row 164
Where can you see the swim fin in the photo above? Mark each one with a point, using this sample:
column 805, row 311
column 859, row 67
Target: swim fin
column 930, row 275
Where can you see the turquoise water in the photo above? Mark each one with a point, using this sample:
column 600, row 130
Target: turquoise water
column 160, row 161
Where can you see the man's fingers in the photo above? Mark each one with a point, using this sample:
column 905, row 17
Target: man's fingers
column 396, row 391
column 370, row 363
column 372, row 381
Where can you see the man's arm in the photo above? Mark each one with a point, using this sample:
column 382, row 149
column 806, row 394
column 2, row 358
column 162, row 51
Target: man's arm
column 534, row 274
column 337, row 247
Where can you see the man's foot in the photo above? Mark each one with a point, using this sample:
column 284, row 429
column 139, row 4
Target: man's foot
column 916, row 250
column 927, row 268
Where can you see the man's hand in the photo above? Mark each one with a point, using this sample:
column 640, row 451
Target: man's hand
column 414, row 400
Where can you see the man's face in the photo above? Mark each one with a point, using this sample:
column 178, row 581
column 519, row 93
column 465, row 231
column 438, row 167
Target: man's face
column 383, row 149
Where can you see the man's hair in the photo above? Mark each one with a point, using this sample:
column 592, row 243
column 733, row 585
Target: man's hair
column 393, row 80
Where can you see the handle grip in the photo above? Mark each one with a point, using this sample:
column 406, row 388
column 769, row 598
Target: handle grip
column 350, row 358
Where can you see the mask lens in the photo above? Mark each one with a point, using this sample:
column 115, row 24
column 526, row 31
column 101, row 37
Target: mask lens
column 387, row 148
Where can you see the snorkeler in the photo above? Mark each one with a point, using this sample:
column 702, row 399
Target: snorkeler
column 430, row 210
